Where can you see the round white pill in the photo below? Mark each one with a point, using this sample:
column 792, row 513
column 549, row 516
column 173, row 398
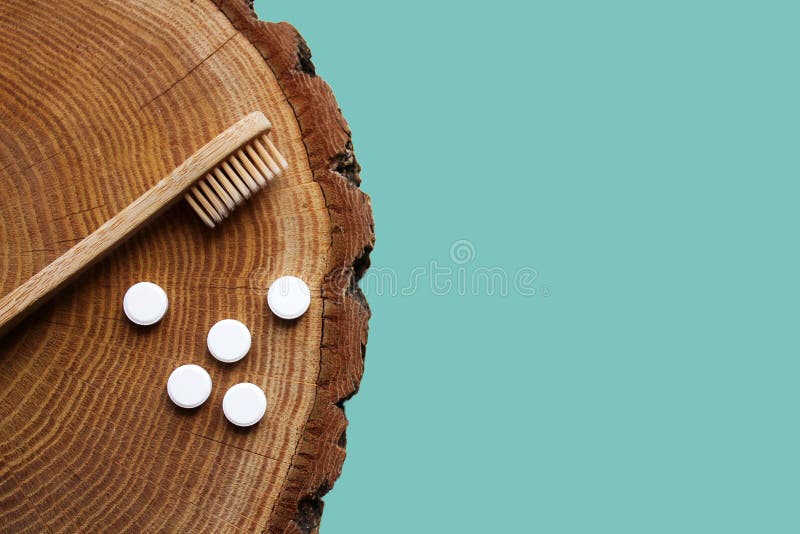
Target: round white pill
column 228, row 340
column 189, row 386
column 288, row 297
column 244, row 404
column 145, row 303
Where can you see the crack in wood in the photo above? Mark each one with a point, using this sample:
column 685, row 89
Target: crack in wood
column 189, row 72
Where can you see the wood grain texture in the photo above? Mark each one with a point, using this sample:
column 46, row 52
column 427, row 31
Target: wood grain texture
column 22, row 300
column 98, row 101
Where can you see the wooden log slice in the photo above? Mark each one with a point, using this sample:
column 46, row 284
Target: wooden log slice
column 98, row 101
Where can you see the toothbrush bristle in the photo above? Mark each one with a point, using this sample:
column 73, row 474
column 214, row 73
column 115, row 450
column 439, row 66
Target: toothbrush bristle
column 235, row 179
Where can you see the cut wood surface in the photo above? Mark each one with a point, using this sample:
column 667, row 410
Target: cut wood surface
column 23, row 299
column 99, row 101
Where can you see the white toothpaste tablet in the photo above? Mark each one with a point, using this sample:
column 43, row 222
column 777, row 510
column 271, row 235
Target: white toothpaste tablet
column 189, row 386
column 145, row 303
column 228, row 340
column 288, row 297
column 244, row 404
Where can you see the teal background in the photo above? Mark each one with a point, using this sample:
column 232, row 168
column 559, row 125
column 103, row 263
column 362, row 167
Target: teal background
column 643, row 158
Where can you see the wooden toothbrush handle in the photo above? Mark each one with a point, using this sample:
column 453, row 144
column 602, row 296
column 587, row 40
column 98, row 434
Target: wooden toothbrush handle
column 15, row 305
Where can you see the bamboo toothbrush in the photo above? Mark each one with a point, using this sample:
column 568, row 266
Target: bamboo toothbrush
column 214, row 181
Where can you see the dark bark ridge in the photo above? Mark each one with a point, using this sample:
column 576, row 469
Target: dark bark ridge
column 320, row 453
